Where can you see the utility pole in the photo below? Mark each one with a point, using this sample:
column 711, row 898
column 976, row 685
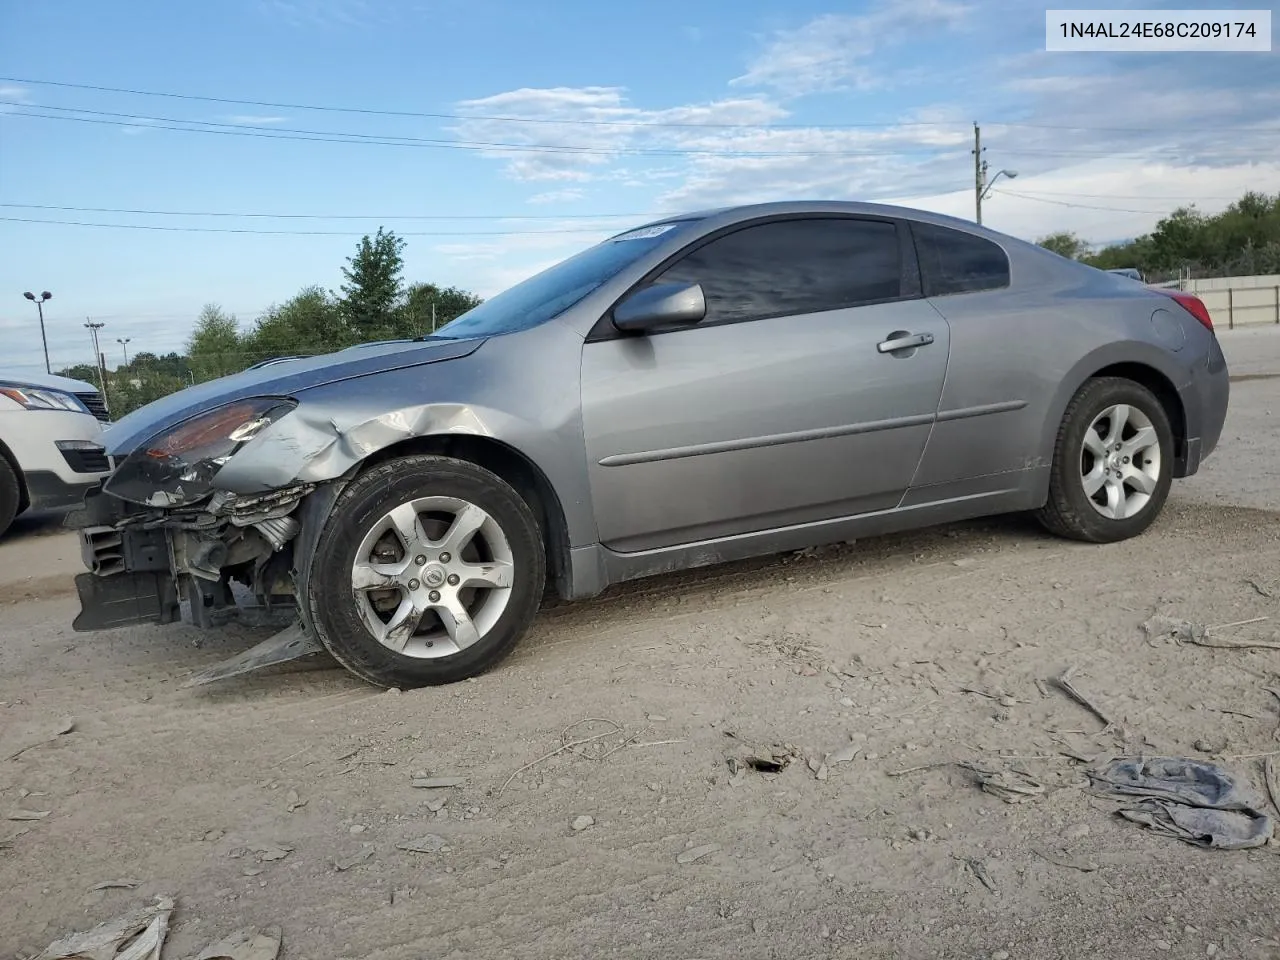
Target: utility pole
column 98, row 360
column 979, row 172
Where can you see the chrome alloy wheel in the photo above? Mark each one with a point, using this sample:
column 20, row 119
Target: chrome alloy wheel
column 432, row 577
column 1120, row 461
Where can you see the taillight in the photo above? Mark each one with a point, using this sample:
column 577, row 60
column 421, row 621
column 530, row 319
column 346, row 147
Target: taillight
column 1192, row 304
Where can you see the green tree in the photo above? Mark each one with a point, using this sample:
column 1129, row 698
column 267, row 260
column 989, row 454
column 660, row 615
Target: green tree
column 374, row 286
column 81, row 371
column 215, row 347
column 1065, row 244
column 310, row 322
column 429, row 307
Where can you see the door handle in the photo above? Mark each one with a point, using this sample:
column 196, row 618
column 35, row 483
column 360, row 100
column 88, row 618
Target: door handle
column 908, row 342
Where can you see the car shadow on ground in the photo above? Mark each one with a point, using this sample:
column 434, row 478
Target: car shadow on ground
column 35, row 523
column 184, row 650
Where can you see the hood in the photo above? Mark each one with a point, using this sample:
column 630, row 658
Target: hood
column 47, row 381
column 290, row 379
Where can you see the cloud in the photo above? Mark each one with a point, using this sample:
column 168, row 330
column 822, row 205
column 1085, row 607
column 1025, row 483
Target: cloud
column 11, row 95
column 599, row 126
column 839, row 51
column 1105, row 200
column 254, row 119
column 557, row 196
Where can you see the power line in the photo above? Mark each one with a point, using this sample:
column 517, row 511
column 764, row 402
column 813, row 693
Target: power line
column 1118, row 196
column 303, row 233
column 1081, row 206
column 320, row 136
column 325, row 216
column 580, row 121
column 392, row 140
column 505, row 119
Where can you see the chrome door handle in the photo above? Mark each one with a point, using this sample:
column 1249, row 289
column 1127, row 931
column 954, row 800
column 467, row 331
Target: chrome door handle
column 894, row 344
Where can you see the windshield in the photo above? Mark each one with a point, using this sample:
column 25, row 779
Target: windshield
column 557, row 288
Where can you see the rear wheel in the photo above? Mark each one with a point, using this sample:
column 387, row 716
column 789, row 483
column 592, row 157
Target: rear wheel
column 429, row 570
column 1112, row 463
column 10, row 493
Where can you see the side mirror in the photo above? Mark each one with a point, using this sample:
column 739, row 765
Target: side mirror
column 663, row 304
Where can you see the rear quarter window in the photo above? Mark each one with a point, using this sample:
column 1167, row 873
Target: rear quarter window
column 952, row 261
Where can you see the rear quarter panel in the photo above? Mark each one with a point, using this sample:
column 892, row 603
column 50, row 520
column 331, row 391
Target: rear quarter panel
column 1031, row 346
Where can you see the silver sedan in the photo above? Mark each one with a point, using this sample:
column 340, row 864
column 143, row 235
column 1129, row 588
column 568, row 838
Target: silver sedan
column 706, row 388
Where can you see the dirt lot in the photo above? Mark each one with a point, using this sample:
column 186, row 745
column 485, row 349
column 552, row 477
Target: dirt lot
column 238, row 799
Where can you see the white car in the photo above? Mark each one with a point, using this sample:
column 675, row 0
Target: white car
column 50, row 443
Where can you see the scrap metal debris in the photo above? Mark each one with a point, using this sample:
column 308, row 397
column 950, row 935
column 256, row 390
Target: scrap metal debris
column 1084, row 866
column 116, row 885
column 437, row 783
column 431, row 843
column 138, row 935
column 63, row 728
column 1196, row 802
column 979, row 870
column 697, row 853
column 1188, row 631
column 1063, row 681
column 1261, row 589
column 29, row 814
column 1271, row 772
column 246, row 944
column 290, row 643
column 342, row 864
column 1011, row 786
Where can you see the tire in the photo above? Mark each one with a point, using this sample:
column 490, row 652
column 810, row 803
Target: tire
column 10, row 493
column 493, row 582
column 1130, row 484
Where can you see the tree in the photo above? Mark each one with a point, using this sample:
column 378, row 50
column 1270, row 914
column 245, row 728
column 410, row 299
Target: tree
column 310, row 322
column 214, row 347
column 81, row 371
column 428, row 307
column 374, row 286
column 1065, row 244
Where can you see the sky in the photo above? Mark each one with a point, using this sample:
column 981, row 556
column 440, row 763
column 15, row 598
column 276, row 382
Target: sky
column 158, row 156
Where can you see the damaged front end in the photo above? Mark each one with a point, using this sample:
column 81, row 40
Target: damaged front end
column 144, row 561
column 158, row 531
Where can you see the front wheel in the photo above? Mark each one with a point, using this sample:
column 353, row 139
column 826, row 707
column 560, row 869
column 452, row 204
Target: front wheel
column 1112, row 463
column 429, row 570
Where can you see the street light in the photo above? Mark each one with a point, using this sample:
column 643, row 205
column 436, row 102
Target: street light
column 1000, row 173
column 124, row 345
column 45, row 295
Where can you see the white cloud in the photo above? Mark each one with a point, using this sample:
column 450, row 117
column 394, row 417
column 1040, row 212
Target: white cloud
column 11, row 96
column 1104, row 200
column 601, row 124
column 557, row 196
column 836, row 51
column 254, row 119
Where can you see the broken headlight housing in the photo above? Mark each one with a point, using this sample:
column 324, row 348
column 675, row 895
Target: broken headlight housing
column 177, row 466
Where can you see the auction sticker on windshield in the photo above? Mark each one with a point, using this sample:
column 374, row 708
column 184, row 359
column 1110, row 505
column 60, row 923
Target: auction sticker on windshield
column 645, row 233
column 1158, row 31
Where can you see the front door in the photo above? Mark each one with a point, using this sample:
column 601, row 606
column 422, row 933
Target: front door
column 786, row 405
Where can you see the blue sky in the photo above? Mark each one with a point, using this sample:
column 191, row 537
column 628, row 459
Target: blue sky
column 702, row 104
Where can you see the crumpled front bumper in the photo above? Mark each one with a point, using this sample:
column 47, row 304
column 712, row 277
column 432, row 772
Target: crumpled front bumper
column 130, row 576
column 143, row 562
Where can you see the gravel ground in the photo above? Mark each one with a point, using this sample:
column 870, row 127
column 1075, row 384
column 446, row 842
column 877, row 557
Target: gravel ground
column 904, row 653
